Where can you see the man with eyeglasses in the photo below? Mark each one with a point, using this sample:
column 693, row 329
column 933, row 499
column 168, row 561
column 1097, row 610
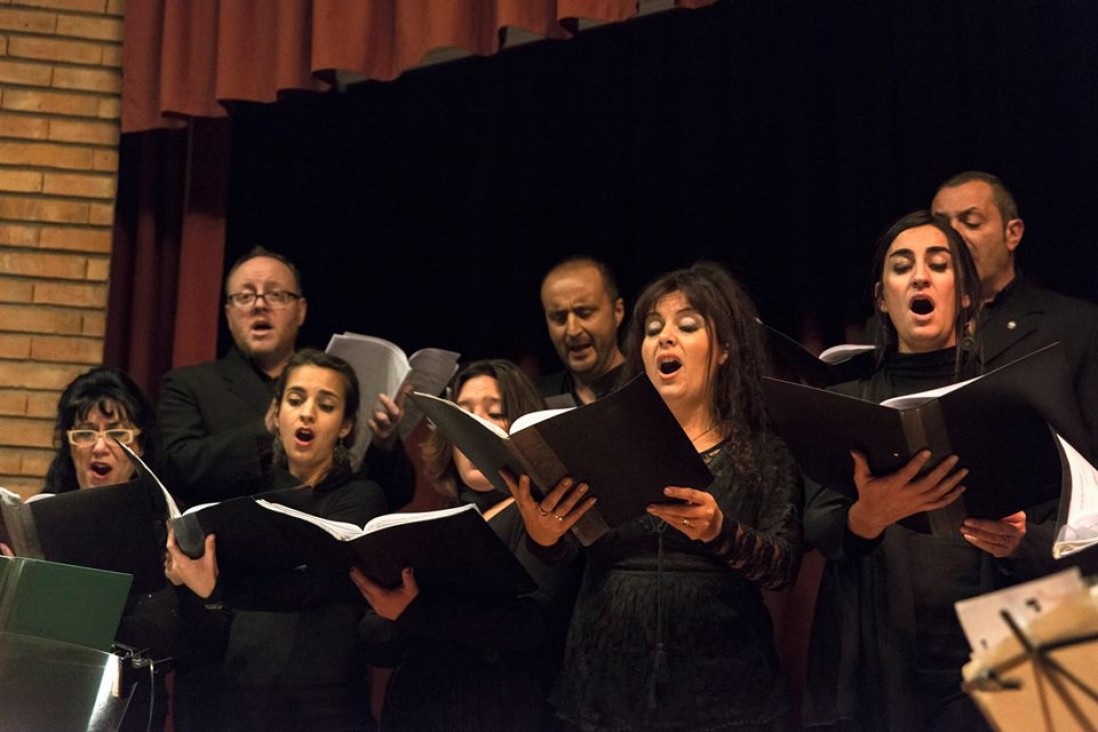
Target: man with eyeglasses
column 213, row 416
column 214, row 421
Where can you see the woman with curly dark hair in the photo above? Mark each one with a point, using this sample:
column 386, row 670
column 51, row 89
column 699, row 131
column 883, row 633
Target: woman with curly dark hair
column 669, row 629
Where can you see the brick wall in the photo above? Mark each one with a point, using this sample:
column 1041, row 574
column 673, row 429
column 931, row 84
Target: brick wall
column 60, row 80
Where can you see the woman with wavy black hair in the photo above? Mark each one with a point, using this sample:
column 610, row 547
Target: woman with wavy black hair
column 669, row 629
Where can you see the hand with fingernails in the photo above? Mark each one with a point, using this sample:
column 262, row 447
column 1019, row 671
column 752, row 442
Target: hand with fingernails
column 387, row 415
column 998, row 537
column 884, row 500
column 388, row 603
column 695, row 514
column 550, row 518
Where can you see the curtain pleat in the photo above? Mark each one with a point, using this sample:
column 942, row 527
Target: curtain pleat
column 186, row 58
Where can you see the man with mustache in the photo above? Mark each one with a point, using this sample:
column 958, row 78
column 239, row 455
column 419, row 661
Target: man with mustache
column 213, row 415
column 582, row 312
column 1019, row 315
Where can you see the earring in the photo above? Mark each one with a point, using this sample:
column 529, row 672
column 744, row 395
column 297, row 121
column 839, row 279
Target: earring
column 341, row 455
column 278, row 451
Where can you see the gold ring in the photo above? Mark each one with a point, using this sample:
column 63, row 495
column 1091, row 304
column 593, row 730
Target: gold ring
column 542, row 512
column 558, row 518
column 686, row 522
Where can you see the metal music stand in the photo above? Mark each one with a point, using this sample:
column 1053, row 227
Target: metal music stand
column 48, row 684
column 1044, row 677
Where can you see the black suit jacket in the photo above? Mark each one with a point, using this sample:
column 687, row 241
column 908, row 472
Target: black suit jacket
column 1025, row 317
column 211, row 419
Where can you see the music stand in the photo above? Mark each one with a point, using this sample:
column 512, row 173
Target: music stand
column 1045, row 676
column 53, row 685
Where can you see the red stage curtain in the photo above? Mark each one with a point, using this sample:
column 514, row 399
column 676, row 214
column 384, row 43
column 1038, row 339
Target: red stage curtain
column 168, row 248
column 183, row 58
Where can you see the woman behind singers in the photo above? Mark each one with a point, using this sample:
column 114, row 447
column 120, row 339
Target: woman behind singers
column 467, row 664
column 293, row 655
column 887, row 648
column 669, row 629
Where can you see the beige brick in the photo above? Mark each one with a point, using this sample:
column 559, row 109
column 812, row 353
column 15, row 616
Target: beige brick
column 101, row 29
column 18, row 125
column 25, row 74
column 15, row 346
column 30, row 21
column 25, row 208
column 36, row 100
column 36, row 264
column 110, row 108
column 106, row 161
column 13, row 403
column 49, row 155
column 55, row 49
column 23, row 319
column 80, row 6
column 20, row 181
column 67, row 350
column 99, row 269
column 18, row 235
column 3, row 43
column 95, row 324
column 74, row 294
column 116, row 7
column 101, row 214
column 37, row 462
column 86, row 79
column 29, row 375
column 42, row 403
column 94, row 133
column 11, row 461
column 112, row 56
column 74, row 184
column 77, row 240
column 26, row 432
column 16, row 290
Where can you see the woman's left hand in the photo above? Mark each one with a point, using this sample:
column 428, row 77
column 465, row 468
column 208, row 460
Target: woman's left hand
column 999, row 538
column 387, row 415
column 5, row 550
column 389, row 604
column 698, row 517
column 199, row 575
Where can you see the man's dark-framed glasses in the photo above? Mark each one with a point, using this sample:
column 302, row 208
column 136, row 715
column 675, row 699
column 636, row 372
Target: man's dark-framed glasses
column 275, row 299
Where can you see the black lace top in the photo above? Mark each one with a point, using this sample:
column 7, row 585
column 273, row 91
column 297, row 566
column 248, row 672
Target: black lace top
column 671, row 633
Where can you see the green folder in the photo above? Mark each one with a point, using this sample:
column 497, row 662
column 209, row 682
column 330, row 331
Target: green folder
column 61, row 602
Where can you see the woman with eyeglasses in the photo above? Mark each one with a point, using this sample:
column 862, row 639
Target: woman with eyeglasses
column 96, row 409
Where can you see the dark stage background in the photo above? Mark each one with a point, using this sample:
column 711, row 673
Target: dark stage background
column 777, row 137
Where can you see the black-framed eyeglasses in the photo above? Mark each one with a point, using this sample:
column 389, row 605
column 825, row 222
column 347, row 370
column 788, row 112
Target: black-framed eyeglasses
column 275, row 299
column 83, row 438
